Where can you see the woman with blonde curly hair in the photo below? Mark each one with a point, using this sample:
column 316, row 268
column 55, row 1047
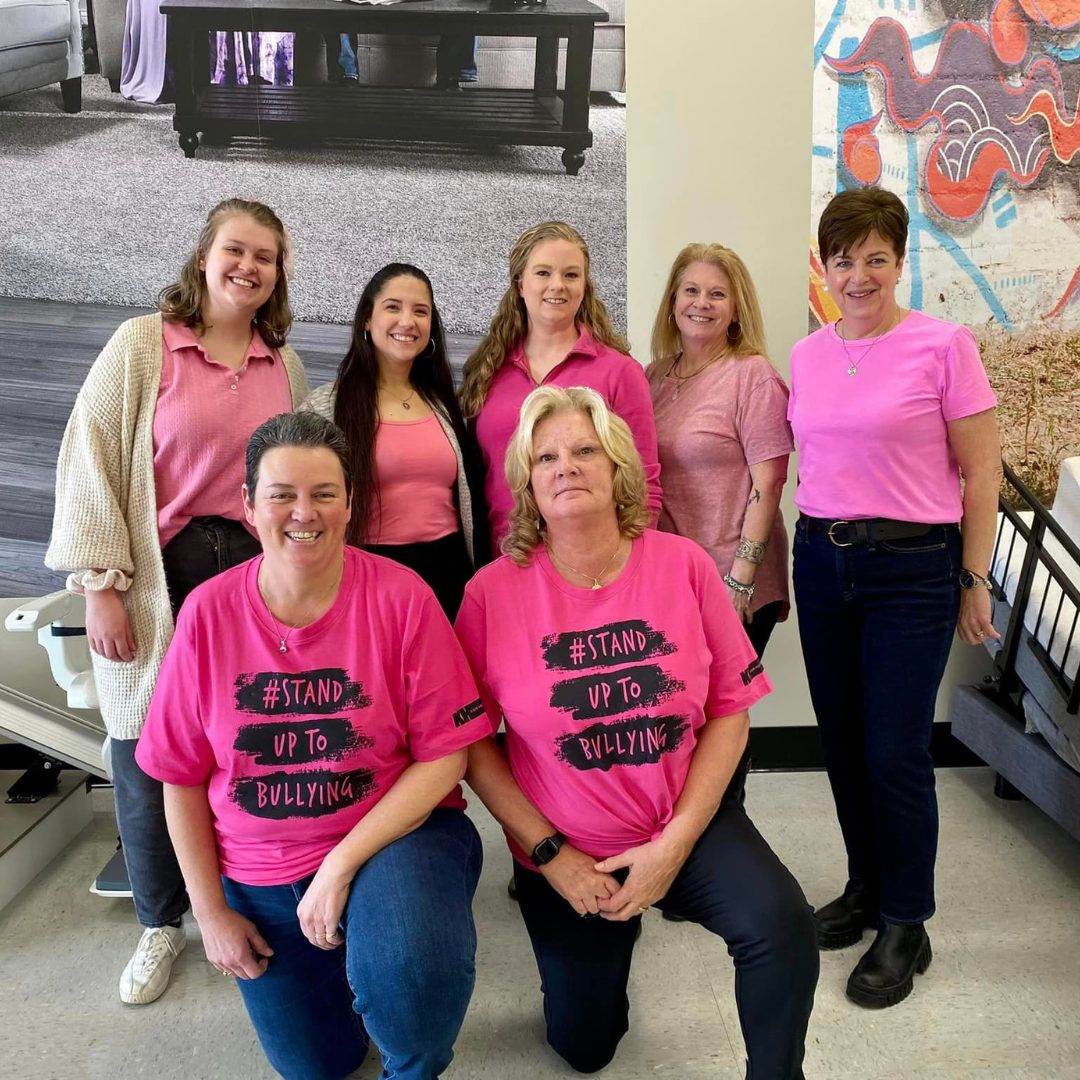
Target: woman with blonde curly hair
column 148, row 506
column 624, row 678
column 550, row 329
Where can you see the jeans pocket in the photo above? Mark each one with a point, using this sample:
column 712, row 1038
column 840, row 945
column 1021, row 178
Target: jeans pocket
column 912, row 545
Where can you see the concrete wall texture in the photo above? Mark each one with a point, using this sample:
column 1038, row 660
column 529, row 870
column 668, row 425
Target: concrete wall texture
column 970, row 111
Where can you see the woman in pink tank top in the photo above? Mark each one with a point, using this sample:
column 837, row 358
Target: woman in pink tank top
column 394, row 400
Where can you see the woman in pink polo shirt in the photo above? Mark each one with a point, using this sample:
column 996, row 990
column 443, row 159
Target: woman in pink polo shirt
column 551, row 329
column 148, row 506
column 394, row 400
column 889, row 407
column 625, row 693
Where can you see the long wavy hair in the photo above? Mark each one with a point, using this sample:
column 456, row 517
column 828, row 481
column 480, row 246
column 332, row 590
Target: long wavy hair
column 629, row 492
column 184, row 300
column 749, row 341
column 511, row 320
column 356, row 387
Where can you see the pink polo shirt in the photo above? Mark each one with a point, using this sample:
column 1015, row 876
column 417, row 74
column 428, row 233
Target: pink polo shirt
column 617, row 377
column 876, row 444
column 204, row 417
column 605, row 691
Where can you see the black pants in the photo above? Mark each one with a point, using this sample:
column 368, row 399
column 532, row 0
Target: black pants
column 201, row 550
column 443, row 564
column 733, row 885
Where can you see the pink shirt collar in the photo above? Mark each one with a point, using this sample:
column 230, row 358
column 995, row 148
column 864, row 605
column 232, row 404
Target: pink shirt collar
column 586, row 347
column 177, row 336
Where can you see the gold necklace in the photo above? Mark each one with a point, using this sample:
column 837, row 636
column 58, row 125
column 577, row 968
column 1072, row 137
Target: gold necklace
column 404, row 404
column 692, row 375
column 595, row 579
column 266, row 603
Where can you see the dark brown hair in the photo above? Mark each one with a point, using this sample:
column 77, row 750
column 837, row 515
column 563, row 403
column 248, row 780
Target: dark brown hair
column 182, row 302
column 853, row 215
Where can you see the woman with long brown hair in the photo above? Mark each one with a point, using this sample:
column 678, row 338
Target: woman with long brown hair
column 148, row 507
column 550, row 329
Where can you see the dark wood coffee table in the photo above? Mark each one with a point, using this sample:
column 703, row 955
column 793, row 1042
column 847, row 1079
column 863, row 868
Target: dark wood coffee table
column 541, row 116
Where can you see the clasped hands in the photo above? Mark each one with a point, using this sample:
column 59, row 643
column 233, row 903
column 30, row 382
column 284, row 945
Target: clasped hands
column 590, row 887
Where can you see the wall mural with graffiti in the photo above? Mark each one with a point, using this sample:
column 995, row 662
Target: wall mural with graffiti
column 970, row 111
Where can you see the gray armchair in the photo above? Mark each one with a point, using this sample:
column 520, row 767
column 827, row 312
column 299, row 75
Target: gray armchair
column 41, row 43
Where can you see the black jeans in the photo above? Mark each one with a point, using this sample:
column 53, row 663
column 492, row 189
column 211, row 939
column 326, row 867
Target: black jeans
column 201, row 550
column 443, row 564
column 734, row 886
column 876, row 625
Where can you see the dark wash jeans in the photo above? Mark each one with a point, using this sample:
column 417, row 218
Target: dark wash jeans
column 734, row 886
column 200, row 551
column 404, row 975
column 877, row 625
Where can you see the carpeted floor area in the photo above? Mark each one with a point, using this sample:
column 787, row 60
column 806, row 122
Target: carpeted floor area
column 102, row 206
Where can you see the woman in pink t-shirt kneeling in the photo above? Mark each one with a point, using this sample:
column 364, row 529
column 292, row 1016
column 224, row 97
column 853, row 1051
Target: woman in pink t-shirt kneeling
column 310, row 726
column 889, row 407
column 624, row 677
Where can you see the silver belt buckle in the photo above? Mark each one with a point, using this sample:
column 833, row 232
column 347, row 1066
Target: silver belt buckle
column 836, row 542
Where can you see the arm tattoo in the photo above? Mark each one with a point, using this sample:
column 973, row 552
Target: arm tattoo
column 751, row 551
column 755, row 498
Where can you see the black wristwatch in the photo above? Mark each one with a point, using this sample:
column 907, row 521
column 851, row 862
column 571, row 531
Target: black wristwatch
column 970, row 580
column 547, row 849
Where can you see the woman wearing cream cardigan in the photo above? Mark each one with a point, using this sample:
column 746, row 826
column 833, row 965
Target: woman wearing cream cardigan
column 148, row 506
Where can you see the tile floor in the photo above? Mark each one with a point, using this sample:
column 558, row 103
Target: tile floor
column 1001, row 1001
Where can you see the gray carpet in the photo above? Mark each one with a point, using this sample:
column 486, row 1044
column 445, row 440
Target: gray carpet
column 102, row 206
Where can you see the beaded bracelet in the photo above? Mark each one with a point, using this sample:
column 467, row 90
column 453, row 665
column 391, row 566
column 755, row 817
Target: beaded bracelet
column 740, row 586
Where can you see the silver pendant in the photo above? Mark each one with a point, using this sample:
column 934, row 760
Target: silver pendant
column 596, row 584
column 853, row 370
column 283, row 649
column 675, row 393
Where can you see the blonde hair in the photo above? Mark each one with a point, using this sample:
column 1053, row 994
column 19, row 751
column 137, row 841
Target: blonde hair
column 511, row 319
column 750, row 341
column 183, row 301
column 618, row 443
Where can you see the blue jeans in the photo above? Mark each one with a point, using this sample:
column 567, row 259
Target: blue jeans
column 404, row 975
column 347, row 57
column 455, row 59
column 877, row 624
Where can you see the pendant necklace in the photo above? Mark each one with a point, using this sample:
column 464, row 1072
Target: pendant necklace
column 853, row 365
column 283, row 638
column 404, row 404
column 595, row 579
column 686, row 378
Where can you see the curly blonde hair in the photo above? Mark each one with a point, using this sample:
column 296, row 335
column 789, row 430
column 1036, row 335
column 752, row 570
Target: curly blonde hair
column 750, row 341
column 183, row 301
column 526, row 528
column 511, row 319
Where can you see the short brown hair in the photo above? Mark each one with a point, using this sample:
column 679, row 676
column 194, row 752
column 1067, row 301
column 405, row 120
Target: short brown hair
column 853, row 215
column 182, row 302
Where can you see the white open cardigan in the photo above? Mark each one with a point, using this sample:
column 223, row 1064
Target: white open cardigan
column 106, row 505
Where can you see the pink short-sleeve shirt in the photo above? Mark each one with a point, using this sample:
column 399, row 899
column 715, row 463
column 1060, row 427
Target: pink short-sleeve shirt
column 604, row 691
column 876, row 444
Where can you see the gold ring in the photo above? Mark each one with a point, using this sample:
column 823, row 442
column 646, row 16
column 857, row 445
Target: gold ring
column 226, row 973
column 643, row 910
column 317, row 934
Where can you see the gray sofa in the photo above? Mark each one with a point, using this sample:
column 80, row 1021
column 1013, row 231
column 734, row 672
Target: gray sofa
column 387, row 61
column 41, row 43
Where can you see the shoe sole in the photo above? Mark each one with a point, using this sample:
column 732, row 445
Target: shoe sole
column 828, row 940
column 893, row 995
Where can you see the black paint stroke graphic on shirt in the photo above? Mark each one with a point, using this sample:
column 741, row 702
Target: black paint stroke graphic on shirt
column 300, row 742
column 610, row 693
column 303, row 793
column 604, row 646
column 639, row 740
column 320, row 692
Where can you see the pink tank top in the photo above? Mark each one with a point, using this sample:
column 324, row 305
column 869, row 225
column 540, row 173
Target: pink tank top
column 417, row 471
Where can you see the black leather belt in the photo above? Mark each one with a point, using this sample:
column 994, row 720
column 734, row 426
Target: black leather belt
column 865, row 530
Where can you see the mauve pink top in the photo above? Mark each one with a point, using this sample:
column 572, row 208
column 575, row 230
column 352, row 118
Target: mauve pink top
column 204, row 417
column 619, row 378
column 710, row 429
column 417, row 470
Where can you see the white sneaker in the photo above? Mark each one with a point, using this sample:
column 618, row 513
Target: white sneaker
column 147, row 973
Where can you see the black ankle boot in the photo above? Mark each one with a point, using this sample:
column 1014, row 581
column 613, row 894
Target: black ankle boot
column 841, row 923
column 885, row 975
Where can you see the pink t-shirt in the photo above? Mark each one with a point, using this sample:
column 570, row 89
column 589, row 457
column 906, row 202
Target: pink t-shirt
column 417, row 471
column 297, row 747
column 604, row 691
column 204, row 417
column 709, row 430
column 617, row 377
column 876, row 444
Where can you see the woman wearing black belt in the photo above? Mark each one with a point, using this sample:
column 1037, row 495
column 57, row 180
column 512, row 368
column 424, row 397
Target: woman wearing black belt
column 889, row 407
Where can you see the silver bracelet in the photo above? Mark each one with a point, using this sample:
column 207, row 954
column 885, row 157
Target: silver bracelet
column 740, row 586
column 751, row 550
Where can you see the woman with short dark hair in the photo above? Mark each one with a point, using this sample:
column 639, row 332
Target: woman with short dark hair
column 890, row 408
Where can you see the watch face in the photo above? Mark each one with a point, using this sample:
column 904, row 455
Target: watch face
column 967, row 579
column 546, row 850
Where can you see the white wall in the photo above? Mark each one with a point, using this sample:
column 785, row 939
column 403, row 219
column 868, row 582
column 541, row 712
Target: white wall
column 718, row 148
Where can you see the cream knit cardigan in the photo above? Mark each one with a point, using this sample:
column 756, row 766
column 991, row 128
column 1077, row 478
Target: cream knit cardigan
column 106, row 506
